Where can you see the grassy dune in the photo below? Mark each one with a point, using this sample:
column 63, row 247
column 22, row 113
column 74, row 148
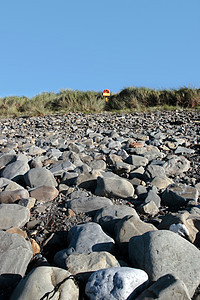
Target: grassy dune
column 129, row 99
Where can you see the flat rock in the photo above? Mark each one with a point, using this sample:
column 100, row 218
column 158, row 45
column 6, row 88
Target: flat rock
column 161, row 182
column 13, row 215
column 6, row 159
column 85, row 238
column 88, row 204
column 176, row 165
column 15, row 253
column 39, row 176
column 42, row 280
column 116, row 283
column 162, row 252
column 88, row 263
column 15, row 170
column 44, row 193
column 113, row 186
column 137, row 161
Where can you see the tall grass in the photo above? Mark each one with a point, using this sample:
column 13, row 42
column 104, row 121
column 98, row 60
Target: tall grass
column 128, row 99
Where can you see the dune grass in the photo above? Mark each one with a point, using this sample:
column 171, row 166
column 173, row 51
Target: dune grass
column 129, row 99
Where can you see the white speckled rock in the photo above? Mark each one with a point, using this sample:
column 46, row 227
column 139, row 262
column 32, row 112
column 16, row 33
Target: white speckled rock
column 116, row 283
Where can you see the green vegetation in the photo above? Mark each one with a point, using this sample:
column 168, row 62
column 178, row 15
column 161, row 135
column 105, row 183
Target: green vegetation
column 129, row 99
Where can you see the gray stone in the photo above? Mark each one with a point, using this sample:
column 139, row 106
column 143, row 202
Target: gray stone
column 85, row 238
column 137, row 173
column 4, row 182
column 98, row 164
column 137, row 161
column 15, row 253
column 42, row 280
column 161, row 182
column 13, row 215
column 115, row 145
column 152, row 196
column 184, row 150
column 153, row 171
column 116, row 283
column 6, row 159
column 88, row 204
column 108, row 216
column 88, row 180
column 38, row 177
column 161, row 252
column 166, row 287
column 122, row 167
column 113, row 186
column 149, row 208
column 59, row 168
column 15, row 170
column 178, row 195
column 44, row 193
column 34, row 150
column 176, row 165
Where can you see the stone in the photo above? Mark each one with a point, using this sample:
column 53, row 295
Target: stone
column 152, row 196
column 116, row 283
column 85, row 238
column 4, row 183
column 97, row 164
column 13, row 215
column 178, row 195
column 44, row 193
column 166, row 287
column 149, row 208
column 137, row 161
column 13, row 196
column 113, row 186
column 35, row 247
column 15, row 170
column 108, row 216
column 34, row 150
column 161, row 252
column 161, row 182
column 28, row 202
column 122, row 167
column 88, row 204
column 153, row 171
column 15, row 253
column 176, row 165
column 6, row 159
column 44, row 280
column 128, row 227
column 88, row 180
column 137, row 173
column 38, row 177
column 182, row 223
column 58, row 168
column 90, row 262
column 184, row 150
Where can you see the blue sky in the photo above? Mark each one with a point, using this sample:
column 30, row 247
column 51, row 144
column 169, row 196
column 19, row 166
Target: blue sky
column 48, row 45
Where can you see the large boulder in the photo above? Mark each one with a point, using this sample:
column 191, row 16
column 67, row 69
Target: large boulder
column 13, row 215
column 15, row 170
column 15, row 253
column 162, row 252
column 39, row 176
column 43, row 281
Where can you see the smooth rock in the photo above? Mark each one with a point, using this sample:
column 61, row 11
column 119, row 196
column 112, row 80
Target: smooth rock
column 42, row 280
column 137, row 161
column 88, row 204
column 15, row 253
column 113, row 186
column 44, row 193
column 13, row 215
column 161, row 252
column 116, row 283
column 161, row 182
column 38, row 177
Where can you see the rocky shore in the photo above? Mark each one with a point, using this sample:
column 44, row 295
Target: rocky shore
column 100, row 206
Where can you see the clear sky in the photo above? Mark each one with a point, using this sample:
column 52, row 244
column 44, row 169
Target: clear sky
column 48, row 45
